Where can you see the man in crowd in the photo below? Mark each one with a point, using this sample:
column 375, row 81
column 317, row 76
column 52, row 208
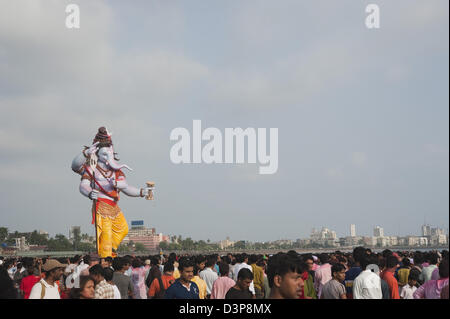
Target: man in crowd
column 122, row 281
column 334, row 289
column 243, row 263
column 388, row 276
column 47, row 288
column 223, row 283
column 410, row 288
column 156, row 291
column 183, row 287
column 241, row 289
column 285, row 277
column 30, row 279
column 258, row 276
column 358, row 254
column 103, row 290
column 428, row 270
column 368, row 283
column 209, row 275
column 323, row 273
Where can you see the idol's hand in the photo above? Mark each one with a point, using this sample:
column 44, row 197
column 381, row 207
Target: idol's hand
column 94, row 194
column 146, row 191
column 92, row 149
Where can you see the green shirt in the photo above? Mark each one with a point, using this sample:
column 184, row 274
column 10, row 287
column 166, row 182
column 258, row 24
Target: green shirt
column 308, row 289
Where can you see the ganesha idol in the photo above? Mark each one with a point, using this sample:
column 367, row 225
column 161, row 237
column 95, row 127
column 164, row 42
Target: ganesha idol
column 102, row 181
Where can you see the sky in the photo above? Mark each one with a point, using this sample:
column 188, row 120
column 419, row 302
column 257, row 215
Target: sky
column 362, row 114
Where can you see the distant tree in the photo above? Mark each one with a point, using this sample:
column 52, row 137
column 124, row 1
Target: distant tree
column 59, row 243
column 139, row 247
column 124, row 249
column 164, row 245
column 187, row 244
column 37, row 239
column 3, row 234
column 240, row 244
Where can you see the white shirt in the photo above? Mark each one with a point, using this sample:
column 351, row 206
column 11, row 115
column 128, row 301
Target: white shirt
column 116, row 292
column 75, row 275
column 209, row 276
column 408, row 291
column 367, row 286
column 236, row 270
column 51, row 292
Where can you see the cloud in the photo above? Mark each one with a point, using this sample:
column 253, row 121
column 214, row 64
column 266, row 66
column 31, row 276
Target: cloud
column 335, row 172
column 359, row 159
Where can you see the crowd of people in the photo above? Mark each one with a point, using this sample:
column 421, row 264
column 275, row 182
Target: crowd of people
column 362, row 274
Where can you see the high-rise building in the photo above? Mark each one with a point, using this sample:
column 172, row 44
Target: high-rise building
column 73, row 230
column 146, row 236
column 378, row 232
column 426, row 230
column 352, row 230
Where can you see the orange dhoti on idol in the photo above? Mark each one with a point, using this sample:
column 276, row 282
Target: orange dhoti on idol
column 111, row 227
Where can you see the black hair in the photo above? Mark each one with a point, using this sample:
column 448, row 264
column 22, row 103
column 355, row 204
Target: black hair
column 136, row 263
column 364, row 262
column 281, row 264
column 414, row 275
column 324, row 258
column 154, row 260
column 406, row 262
column 109, row 259
column 226, row 259
column 185, row 263
column 253, row 259
column 443, row 269
column 75, row 293
column 211, row 261
column 118, row 263
column 245, row 273
column 168, row 267
column 433, row 258
column 7, row 289
column 386, row 253
column 391, row 261
column 172, row 257
column 337, row 268
column 359, row 253
column 96, row 270
column 224, row 269
column 108, row 273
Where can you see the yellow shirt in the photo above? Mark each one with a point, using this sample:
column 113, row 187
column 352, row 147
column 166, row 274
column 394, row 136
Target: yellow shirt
column 176, row 273
column 201, row 284
column 258, row 276
column 403, row 274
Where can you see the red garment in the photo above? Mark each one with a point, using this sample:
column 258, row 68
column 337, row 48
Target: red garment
column 304, row 277
column 27, row 283
column 388, row 276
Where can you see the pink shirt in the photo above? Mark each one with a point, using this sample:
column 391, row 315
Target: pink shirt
column 138, row 280
column 435, row 274
column 221, row 287
column 431, row 289
column 322, row 276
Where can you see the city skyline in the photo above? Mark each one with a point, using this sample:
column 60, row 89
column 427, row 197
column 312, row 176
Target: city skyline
column 418, row 233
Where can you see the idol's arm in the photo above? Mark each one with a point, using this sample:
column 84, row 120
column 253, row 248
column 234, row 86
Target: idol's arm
column 131, row 190
column 77, row 163
column 86, row 189
column 80, row 159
